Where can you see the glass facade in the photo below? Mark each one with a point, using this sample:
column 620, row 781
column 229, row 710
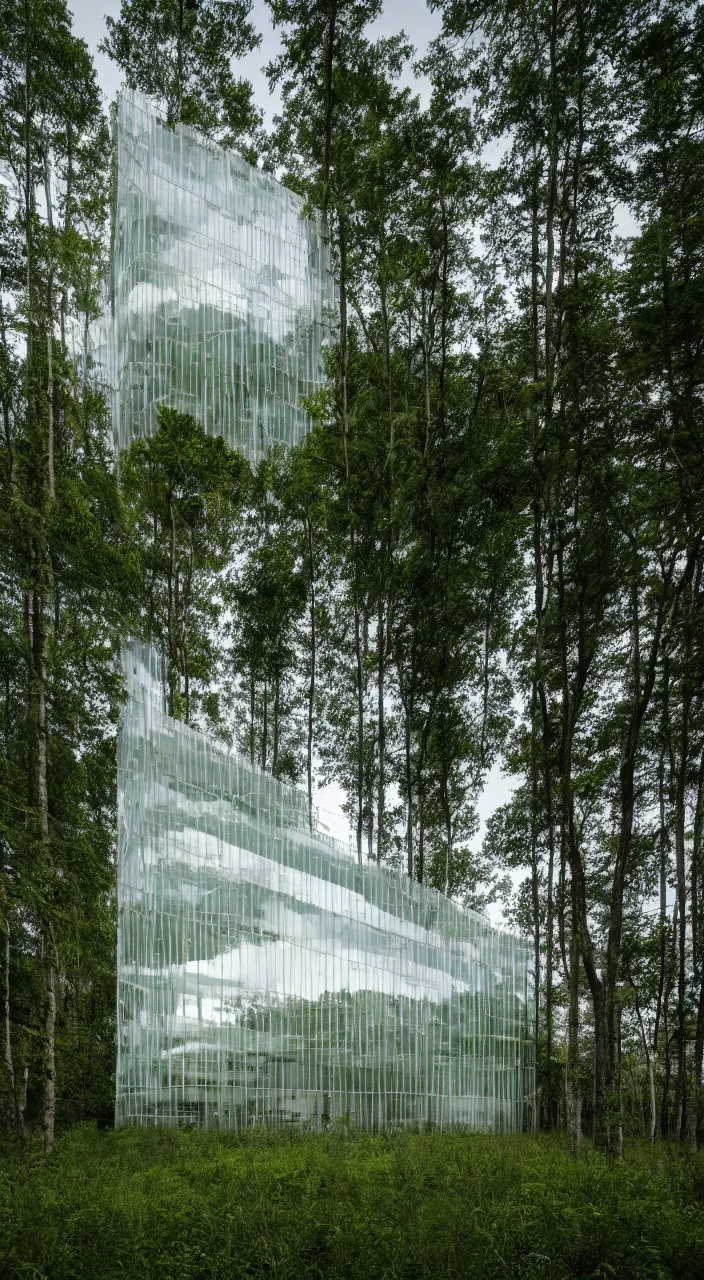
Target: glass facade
column 220, row 296
column 265, row 976
column 262, row 974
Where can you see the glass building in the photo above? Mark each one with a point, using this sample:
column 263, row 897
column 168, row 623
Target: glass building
column 262, row 974
column 221, row 294
column 265, row 976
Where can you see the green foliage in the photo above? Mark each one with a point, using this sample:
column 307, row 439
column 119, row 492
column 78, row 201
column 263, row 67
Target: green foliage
column 488, row 550
column 65, row 580
column 180, row 53
column 267, row 593
column 198, row 1204
column 331, row 78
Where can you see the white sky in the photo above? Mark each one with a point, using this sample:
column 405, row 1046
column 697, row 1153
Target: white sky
column 411, row 16
column 420, row 26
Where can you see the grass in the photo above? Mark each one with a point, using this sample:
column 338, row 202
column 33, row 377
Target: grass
column 176, row 1204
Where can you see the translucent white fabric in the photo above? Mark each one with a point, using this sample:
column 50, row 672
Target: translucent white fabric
column 221, row 295
column 264, row 976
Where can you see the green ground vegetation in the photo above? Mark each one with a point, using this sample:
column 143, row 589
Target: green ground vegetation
column 177, row 1204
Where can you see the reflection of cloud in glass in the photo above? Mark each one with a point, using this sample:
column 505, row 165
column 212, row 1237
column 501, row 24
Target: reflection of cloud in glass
column 284, row 968
column 264, row 975
column 221, row 291
column 145, row 298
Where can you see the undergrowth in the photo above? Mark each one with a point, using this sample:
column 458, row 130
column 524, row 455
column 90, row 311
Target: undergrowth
column 184, row 1204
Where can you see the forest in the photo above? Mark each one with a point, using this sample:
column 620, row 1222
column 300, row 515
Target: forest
column 487, row 554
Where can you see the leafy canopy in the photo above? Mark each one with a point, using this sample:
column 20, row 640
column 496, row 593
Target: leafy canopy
column 180, row 52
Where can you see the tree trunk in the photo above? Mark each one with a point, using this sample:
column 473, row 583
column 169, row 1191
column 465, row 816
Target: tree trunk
column 381, row 776
column 175, row 112
column 425, row 343
column 40, row 799
column 252, row 739
column 680, row 822
column 50, row 407
column 573, row 1093
column 360, row 724
column 344, row 415
column 369, row 759
column 9, row 1059
column 51, row 479
column 541, row 763
column 38, row 738
column 446, row 812
column 183, row 609
column 698, row 958
column 265, row 724
column 420, row 788
column 650, row 1067
column 421, row 833
column 665, row 1100
column 311, row 683
column 449, row 843
column 551, row 1106
column 653, row 1104
column 535, row 902
column 662, row 877
column 5, row 402
column 329, row 96
column 186, row 686
column 693, row 1107
column 550, row 216
column 642, row 684
column 409, row 788
column 275, row 744
column 49, row 1115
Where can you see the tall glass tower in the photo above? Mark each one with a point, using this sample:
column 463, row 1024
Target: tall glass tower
column 221, row 294
column 262, row 974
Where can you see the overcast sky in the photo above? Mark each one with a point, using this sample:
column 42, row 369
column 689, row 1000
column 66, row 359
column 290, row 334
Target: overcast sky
column 411, row 16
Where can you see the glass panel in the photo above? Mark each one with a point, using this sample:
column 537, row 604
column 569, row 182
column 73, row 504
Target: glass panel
column 264, row 976
column 221, row 293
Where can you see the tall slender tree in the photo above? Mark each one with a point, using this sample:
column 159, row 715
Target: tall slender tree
column 61, row 554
